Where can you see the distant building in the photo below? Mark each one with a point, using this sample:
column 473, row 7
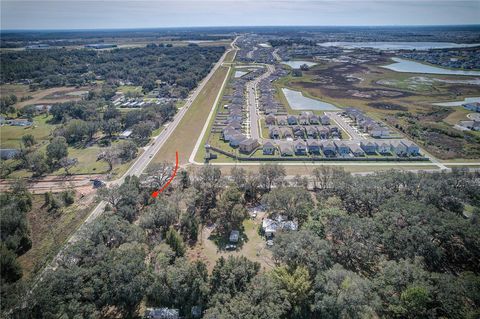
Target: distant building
column 98, row 46
column 8, row 153
column 41, row 46
column 475, row 106
column 125, row 134
column 162, row 313
column 19, row 122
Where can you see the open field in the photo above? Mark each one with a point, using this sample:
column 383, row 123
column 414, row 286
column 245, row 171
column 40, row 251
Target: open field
column 44, row 96
column 185, row 135
column 253, row 246
column 10, row 136
column 50, row 230
column 41, row 130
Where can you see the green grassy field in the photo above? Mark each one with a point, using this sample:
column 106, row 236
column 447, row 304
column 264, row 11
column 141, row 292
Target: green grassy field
column 130, row 89
column 185, row 136
column 41, row 130
column 252, row 246
column 11, row 136
column 214, row 138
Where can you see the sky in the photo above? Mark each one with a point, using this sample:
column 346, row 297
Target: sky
column 106, row 14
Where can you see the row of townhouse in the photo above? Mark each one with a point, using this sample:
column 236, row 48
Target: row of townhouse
column 401, row 148
column 236, row 139
column 367, row 124
column 268, row 102
column 305, row 118
column 303, row 132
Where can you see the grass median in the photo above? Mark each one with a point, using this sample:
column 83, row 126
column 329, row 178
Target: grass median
column 185, row 135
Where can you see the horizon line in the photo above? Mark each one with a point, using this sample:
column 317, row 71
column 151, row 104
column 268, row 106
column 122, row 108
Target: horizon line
column 246, row 26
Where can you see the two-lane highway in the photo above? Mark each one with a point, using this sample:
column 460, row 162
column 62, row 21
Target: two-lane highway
column 145, row 158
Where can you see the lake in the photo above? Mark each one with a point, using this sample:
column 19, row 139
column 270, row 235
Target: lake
column 298, row 64
column 407, row 66
column 459, row 103
column 239, row 74
column 422, row 46
column 297, row 101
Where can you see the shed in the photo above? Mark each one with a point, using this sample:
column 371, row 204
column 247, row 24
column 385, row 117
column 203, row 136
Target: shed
column 234, row 236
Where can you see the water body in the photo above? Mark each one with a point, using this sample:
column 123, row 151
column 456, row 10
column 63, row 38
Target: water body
column 297, row 101
column 298, row 64
column 422, row 46
column 407, row 66
column 239, row 74
column 459, row 103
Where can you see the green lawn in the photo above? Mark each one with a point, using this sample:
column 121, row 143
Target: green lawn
column 11, row 136
column 130, row 89
column 184, row 138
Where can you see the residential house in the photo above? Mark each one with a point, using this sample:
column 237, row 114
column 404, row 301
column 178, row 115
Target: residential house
column 20, row 122
column 270, row 119
column 313, row 146
column 234, row 236
column 314, row 119
column 286, row 132
column 248, row 145
column 311, row 132
column 227, row 133
column 270, row 110
column 286, row 148
column 369, row 147
column 323, row 132
column 412, row 148
column 300, row 147
column 125, row 134
column 329, row 149
column 162, row 313
column 274, row 132
column 303, row 119
column 271, row 226
column 342, row 148
column 282, row 120
column 378, row 131
column 292, row 119
column 235, row 139
column 298, row 131
column 398, row 148
column 325, row 120
column 384, row 147
column 356, row 150
column 269, row 148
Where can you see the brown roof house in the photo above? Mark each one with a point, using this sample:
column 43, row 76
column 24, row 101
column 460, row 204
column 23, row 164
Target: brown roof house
column 269, row 148
column 248, row 145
